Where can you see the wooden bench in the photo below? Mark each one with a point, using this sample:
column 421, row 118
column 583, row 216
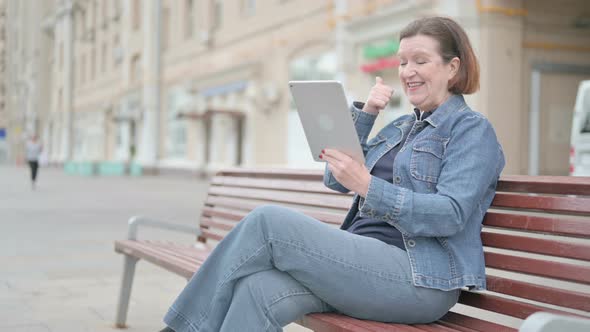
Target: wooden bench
column 536, row 239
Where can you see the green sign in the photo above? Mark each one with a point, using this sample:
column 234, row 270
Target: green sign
column 381, row 51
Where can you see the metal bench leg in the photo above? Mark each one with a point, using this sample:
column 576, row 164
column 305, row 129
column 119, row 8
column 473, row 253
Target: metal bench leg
column 125, row 294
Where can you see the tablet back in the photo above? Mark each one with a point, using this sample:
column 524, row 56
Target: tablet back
column 325, row 118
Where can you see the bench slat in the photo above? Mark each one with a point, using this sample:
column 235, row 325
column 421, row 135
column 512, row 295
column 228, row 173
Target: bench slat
column 233, row 216
column 563, row 185
column 208, row 223
column 513, row 183
column 210, row 235
column 534, row 245
column 178, row 254
column 327, row 217
column 328, row 201
column 545, row 294
column 286, row 185
column 188, row 254
column 574, row 205
column 458, row 327
column 503, row 306
column 282, row 173
column 327, row 323
column 551, row 225
column 135, row 249
column 436, row 327
column 457, row 319
column 558, row 270
column 331, row 322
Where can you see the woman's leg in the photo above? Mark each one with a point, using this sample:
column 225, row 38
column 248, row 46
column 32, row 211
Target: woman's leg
column 269, row 300
column 34, row 169
column 356, row 275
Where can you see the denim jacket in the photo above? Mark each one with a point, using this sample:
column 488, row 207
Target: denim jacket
column 443, row 183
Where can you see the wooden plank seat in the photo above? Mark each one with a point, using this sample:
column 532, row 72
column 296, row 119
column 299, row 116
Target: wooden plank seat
column 536, row 239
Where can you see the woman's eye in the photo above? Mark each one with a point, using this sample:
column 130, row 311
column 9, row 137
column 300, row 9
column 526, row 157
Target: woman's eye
column 403, row 64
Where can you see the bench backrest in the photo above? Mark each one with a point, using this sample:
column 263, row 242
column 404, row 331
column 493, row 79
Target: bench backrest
column 536, row 234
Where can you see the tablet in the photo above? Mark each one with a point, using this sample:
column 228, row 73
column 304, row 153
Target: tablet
column 326, row 120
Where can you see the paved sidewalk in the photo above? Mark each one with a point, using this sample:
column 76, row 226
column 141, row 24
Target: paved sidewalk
column 58, row 270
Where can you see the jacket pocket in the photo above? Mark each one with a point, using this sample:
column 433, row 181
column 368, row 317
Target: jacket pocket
column 426, row 160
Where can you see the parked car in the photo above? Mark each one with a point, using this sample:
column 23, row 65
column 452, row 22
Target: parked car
column 580, row 140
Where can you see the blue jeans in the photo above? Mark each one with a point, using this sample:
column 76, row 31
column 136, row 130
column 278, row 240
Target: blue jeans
column 277, row 265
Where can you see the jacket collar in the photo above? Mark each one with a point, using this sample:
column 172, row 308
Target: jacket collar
column 452, row 104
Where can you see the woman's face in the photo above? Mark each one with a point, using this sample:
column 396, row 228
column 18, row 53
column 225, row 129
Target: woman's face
column 423, row 73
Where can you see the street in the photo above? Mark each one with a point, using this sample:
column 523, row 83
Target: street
column 59, row 272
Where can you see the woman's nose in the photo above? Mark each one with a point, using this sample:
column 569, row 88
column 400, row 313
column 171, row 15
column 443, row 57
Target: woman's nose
column 407, row 71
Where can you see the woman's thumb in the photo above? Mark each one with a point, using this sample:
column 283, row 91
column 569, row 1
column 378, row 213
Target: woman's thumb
column 378, row 80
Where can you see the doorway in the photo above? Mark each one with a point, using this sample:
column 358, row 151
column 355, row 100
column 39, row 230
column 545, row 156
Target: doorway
column 553, row 95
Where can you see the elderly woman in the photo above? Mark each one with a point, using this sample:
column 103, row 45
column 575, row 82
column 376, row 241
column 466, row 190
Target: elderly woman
column 411, row 239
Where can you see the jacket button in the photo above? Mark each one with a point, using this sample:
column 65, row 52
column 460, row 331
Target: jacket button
column 411, row 243
column 397, row 179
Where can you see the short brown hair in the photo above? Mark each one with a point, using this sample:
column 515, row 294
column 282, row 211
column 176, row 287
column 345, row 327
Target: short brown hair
column 453, row 42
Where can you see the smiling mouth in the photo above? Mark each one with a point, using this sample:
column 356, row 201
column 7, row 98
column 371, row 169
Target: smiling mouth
column 414, row 84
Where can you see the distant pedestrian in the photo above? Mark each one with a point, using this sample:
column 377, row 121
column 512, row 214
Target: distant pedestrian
column 34, row 149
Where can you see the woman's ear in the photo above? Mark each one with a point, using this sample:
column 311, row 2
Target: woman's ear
column 454, row 65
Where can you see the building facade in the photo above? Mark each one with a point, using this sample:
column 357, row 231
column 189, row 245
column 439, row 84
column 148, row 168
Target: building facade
column 196, row 85
column 27, row 79
column 3, row 107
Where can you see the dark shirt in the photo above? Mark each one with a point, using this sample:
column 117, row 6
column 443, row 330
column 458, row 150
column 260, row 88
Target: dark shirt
column 377, row 229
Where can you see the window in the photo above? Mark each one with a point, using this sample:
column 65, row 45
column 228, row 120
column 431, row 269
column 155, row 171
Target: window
column 586, row 125
column 94, row 14
column 248, row 7
column 103, row 58
column 117, row 51
column 81, row 25
column 189, row 19
column 586, row 110
column 135, row 68
column 59, row 99
column 217, row 14
column 83, row 69
column 93, row 64
column 105, row 11
column 322, row 67
column 61, row 56
column 165, row 28
column 136, row 14
column 116, row 9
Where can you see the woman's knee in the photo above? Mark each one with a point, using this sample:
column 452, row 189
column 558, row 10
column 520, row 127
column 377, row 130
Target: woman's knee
column 269, row 215
column 281, row 297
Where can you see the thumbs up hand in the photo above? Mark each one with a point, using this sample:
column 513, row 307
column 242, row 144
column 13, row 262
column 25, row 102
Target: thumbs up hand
column 378, row 97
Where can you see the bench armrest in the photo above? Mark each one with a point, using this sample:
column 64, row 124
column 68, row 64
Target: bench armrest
column 136, row 221
column 547, row 322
